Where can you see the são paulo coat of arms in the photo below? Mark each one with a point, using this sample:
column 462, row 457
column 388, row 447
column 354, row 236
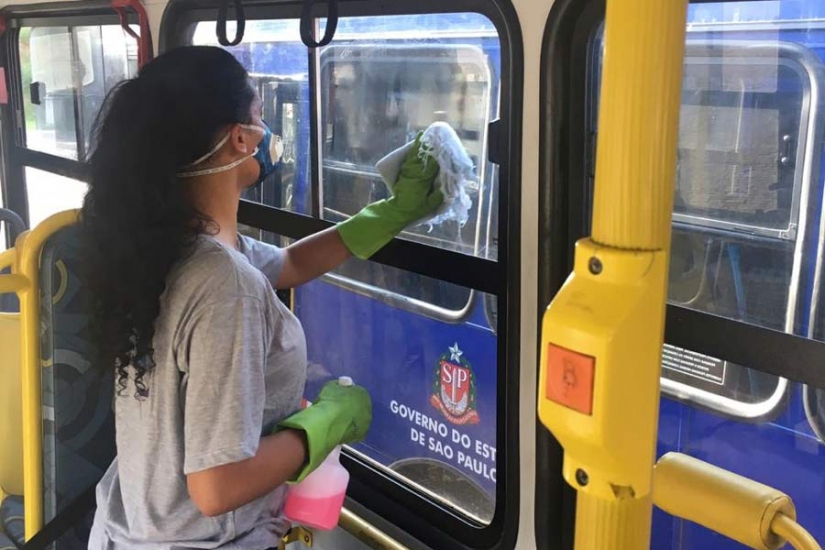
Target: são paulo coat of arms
column 454, row 388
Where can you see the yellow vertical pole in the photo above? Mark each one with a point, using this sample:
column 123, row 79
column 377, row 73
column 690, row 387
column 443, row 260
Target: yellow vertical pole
column 29, row 246
column 602, row 334
column 27, row 266
column 638, row 123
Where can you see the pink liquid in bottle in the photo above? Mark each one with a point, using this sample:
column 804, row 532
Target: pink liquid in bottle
column 317, row 513
column 317, row 501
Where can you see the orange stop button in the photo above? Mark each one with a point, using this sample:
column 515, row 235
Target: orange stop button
column 569, row 379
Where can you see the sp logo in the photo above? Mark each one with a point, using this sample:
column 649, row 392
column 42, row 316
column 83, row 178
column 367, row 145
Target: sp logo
column 454, row 391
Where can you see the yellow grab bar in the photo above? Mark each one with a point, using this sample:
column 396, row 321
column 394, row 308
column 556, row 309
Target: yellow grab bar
column 12, row 283
column 7, row 257
column 742, row 509
column 367, row 533
column 602, row 334
column 24, row 281
column 791, row 531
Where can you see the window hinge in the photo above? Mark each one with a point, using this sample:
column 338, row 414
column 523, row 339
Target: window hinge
column 495, row 145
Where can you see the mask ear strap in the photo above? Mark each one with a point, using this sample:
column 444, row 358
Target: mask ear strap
column 211, row 152
column 215, row 150
column 217, row 169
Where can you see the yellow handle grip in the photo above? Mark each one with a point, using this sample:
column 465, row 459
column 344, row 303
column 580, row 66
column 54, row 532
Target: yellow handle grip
column 735, row 506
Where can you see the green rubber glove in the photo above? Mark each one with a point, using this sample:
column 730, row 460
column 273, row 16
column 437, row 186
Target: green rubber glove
column 339, row 415
column 414, row 197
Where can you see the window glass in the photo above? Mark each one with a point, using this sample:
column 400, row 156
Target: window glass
column 432, row 382
column 425, row 349
column 401, row 288
column 278, row 63
column 737, row 138
column 430, row 296
column 66, row 73
column 385, row 78
column 747, row 201
column 50, row 193
column 381, row 80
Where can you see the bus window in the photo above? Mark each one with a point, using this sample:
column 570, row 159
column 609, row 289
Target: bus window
column 404, row 288
column 748, row 117
column 49, row 193
column 66, row 73
column 381, row 82
column 373, row 95
column 425, row 349
column 279, row 67
column 433, row 387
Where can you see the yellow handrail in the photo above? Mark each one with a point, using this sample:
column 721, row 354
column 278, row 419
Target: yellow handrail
column 11, row 407
column 12, row 283
column 368, row 534
column 749, row 512
column 8, row 257
column 602, row 334
column 25, row 282
column 792, row 532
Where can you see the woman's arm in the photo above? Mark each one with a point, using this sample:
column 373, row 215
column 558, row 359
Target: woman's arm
column 225, row 488
column 311, row 257
column 413, row 198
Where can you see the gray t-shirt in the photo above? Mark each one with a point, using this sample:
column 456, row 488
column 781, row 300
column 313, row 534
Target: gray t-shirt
column 230, row 362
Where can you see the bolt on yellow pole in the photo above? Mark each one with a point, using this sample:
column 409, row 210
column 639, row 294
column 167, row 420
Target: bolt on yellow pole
column 602, row 334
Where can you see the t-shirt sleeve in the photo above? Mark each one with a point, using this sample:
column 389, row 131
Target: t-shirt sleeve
column 268, row 258
column 224, row 390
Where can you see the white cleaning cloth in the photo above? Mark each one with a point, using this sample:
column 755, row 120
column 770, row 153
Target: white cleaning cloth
column 456, row 172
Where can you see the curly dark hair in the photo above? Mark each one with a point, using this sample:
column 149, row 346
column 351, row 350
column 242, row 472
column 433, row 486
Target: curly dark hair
column 138, row 219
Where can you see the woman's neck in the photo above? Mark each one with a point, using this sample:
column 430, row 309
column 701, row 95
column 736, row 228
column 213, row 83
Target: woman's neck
column 218, row 199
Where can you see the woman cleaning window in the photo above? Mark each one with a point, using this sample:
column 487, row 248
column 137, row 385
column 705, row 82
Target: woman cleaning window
column 210, row 366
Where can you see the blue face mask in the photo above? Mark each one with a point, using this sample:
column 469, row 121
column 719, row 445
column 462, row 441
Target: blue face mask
column 267, row 153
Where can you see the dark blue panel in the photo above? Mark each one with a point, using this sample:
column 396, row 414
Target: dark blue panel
column 396, row 355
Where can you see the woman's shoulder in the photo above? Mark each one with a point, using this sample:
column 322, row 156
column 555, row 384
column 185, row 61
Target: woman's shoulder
column 211, row 267
column 267, row 258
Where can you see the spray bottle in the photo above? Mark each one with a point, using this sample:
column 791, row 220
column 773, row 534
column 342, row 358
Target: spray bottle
column 317, row 501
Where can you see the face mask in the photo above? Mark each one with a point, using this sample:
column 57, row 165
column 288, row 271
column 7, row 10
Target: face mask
column 267, row 153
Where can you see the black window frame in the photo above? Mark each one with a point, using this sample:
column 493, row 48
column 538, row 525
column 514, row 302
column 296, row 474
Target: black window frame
column 565, row 147
column 15, row 156
column 429, row 522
